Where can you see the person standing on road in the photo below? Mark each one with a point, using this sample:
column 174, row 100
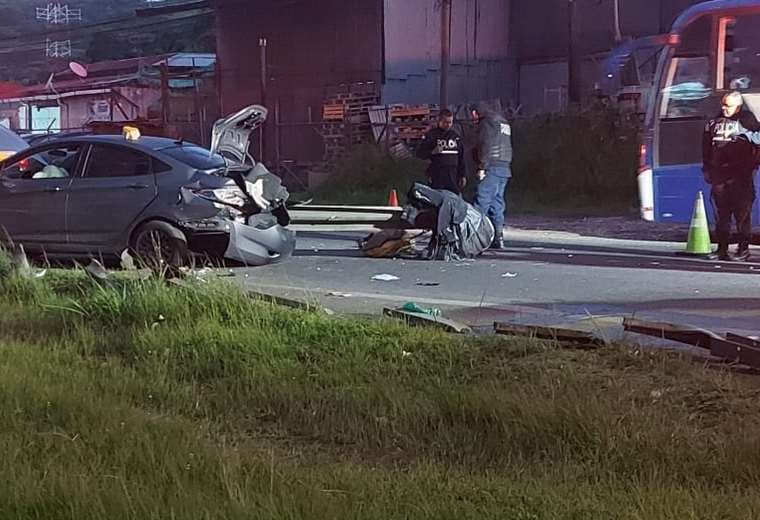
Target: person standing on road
column 729, row 163
column 493, row 161
column 442, row 146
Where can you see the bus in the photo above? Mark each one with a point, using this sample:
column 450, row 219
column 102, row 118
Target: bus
column 713, row 48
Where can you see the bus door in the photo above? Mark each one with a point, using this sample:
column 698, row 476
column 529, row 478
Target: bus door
column 687, row 99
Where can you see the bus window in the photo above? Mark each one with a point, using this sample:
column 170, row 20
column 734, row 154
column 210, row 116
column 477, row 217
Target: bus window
column 688, row 78
column 739, row 52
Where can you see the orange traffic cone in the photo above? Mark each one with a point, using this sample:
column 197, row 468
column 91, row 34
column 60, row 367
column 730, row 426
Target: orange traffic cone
column 393, row 199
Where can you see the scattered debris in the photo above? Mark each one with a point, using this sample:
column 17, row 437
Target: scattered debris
column 428, row 284
column 127, row 261
column 97, row 271
column 339, row 294
column 564, row 336
column 414, row 307
column 509, row 275
column 385, row 278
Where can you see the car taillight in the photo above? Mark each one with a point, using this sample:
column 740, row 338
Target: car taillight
column 23, row 165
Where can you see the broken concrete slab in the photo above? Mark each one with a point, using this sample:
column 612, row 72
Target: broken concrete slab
column 289, row 302
column 561, row 335
column 426, row 320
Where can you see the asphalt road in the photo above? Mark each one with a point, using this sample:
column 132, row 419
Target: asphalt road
column 541, row 278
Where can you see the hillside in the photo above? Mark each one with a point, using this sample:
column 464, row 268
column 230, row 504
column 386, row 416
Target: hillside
column 107, row 30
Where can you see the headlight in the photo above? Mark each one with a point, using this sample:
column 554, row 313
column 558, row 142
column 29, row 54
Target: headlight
column 227, row 197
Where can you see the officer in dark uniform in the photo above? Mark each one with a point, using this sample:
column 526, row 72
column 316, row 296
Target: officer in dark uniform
column 493, row 160
column 442, row 146
column 729, row 163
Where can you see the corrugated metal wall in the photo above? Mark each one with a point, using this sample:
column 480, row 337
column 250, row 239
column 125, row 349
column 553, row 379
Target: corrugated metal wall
column 482, row 61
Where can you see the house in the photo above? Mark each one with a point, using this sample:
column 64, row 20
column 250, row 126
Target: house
column 79, row 98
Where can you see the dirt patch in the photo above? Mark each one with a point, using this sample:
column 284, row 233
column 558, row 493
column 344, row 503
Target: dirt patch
column 627, row 228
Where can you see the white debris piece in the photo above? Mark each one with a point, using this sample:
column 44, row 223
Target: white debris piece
column 385, row 278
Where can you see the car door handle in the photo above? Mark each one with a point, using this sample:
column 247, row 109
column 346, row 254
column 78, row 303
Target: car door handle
column 138, row 187
column 53, row 189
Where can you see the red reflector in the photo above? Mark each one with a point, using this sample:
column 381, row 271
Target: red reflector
column 643, row 156
column 674, row 39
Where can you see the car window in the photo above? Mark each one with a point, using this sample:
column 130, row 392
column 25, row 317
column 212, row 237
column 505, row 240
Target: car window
column 51, row 163
column 116, row 161
column 195, row 156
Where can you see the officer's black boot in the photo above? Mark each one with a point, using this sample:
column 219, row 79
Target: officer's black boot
column 742, row 252
column 721, row 254
column 497, row 244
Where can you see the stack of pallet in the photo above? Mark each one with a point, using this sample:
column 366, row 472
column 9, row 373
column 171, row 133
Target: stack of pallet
column 345, row 116
column 405, row 124
column 411, row 122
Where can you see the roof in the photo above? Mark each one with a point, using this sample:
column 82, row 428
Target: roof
column 698, row 10
column 113, row 73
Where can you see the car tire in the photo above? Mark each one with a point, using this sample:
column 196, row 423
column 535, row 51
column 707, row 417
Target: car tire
column 158, row 244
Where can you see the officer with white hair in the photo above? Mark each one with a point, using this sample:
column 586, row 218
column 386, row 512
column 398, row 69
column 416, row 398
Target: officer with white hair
column 729, row 162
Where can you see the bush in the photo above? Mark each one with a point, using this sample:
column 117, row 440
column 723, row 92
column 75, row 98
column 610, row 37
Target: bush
column 366, row 176
column 579, row 160
column 582, row 159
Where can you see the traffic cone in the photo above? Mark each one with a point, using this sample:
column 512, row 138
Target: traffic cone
column 698, row 243
column 393, row 199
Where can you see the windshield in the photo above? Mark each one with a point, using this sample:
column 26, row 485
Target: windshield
column 195, row 156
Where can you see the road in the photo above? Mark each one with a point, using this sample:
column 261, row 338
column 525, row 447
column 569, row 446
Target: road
column 543, row 277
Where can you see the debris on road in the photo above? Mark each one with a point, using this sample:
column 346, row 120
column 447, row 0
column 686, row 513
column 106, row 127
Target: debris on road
column 414, row 307
column 428, row 284
column 385, row 278
column 509, row 275
column 339, row 294
column 576, row 338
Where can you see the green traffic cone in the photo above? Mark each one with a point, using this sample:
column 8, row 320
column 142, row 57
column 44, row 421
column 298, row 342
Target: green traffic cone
column 699, row 243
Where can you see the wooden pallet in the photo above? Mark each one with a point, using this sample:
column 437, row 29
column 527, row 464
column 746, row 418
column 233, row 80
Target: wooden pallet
column 333, row 112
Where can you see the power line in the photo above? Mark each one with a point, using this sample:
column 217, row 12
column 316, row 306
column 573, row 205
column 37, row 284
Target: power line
column 69, row 31
column 40, row 43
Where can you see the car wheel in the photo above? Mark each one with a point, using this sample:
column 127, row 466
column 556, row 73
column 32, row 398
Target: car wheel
column 158, row 244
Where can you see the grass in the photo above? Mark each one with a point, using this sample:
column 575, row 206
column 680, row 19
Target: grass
column 145, row 400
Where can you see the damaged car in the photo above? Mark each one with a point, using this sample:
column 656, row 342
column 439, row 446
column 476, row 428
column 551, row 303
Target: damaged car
column 163, row 200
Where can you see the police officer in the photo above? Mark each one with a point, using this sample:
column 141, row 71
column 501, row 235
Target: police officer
column 729, row 162
column 493, row 160
column 442, row 146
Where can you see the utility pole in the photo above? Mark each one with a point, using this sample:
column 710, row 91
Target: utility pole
column 263, row 87
column 573, row 60
column 445, row 51
column 618, row 32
